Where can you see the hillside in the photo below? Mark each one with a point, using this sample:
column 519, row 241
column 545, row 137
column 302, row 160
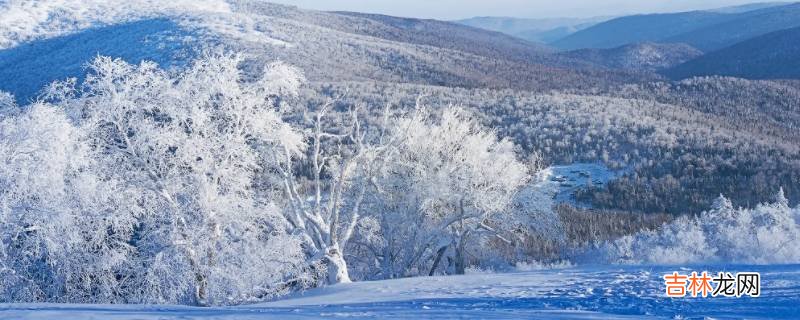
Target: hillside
column 743, row 27
column 326, row 46
column 686, row 142
column 28, row 67
column 639, row 56
column 705, row 30
column 446, row 35
column 771, row 56
column 639, row 28
column 535, row 30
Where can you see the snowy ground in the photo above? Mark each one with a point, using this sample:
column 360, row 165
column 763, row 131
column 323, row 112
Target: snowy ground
column 575, row 293
column 569, row 178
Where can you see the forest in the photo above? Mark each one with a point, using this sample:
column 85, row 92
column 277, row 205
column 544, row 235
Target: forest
column 220, row 153
column 140, row 185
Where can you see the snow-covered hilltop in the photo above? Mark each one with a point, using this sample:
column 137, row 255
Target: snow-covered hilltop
column 329, row 47
column 25, row 20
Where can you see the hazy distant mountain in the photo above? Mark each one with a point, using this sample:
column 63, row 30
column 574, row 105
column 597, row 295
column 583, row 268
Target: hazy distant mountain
column 536, row 30
column 639, row 28
column 750, row 7
column 447, row 35
column 775, row 55
column 640, row 56
column 705, row 30
column 745, row 26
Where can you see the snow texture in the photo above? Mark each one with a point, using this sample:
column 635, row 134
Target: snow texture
column 574, row 293
column 567, row 179
column 25, row 20
column 767, row 234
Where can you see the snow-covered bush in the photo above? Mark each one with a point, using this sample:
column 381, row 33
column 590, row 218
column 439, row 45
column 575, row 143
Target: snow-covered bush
column 6, row 101
column 769, row 233
column 446, row 185
column 42, row 162
column 139, row 186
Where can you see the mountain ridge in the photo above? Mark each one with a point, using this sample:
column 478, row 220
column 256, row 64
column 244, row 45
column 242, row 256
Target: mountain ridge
column 327, row 46
column 705, row 30
column 770, row 56
column 537, row 30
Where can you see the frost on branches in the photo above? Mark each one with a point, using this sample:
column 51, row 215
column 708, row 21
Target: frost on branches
column 138, row 187
column 768, row 234
column 442, row 189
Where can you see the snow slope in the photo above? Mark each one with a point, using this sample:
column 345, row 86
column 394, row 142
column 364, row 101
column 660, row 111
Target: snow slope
column 327, row 46
column 567, row 179
column 25, row 20
column 631, row 292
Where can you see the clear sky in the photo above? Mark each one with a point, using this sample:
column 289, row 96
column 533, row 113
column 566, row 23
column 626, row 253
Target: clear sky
column 457, row 9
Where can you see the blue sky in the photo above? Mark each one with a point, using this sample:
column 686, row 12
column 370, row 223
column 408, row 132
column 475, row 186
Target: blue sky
column 456, row 9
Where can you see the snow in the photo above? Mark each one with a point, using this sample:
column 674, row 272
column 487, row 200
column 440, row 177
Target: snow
column 566, row 179
column 766, row 234
column 24, row 20
column 37, row 36
column 587, row 292
column 44, row 41
column 35, row 64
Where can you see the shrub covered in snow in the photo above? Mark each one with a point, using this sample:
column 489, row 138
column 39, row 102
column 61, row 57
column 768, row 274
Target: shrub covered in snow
column 137, row 187
column 769, row 233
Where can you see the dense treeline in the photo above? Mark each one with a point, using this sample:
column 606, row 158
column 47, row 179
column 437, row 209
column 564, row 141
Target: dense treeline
column 680, row 145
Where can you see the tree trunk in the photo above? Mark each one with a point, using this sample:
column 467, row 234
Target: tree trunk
column 200, row 280
column 337, row 266
column 439, row 254
column 201, row 289
column 460, row 255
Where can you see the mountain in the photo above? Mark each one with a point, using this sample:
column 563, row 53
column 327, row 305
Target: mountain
column 639, row 56
column 535, row 30
column 705, row 30
column 638, row 28
column 775, row 55
column 327, row 46
column 749, row 7
column 745, row 26
column 446, row 35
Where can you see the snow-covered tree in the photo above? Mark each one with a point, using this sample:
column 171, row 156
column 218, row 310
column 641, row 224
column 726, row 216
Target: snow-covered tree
column 443, row 184
column 327, row 210
column 6, row 101
column 170, row 206
column 190, row 145
column 41, row 157
column 768, row 233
